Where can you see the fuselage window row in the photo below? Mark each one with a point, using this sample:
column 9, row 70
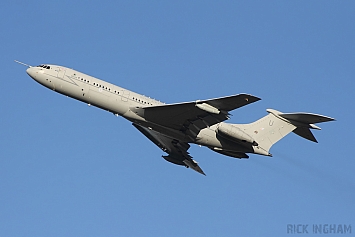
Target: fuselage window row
column 101, row 86
column 141, row 101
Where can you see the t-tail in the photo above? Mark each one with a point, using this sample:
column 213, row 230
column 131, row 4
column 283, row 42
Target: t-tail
column 276, row 125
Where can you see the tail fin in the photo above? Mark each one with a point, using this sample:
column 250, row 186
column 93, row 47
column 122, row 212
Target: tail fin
column 276, row 125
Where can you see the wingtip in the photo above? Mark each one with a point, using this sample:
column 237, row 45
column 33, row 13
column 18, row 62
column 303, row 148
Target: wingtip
column 203, row 173
column 251, row 98
column 198, row 169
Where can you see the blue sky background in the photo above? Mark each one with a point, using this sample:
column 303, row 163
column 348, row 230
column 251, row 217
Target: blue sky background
column 67, row 169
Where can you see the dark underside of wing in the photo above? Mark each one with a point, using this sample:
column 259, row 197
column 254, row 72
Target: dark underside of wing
column 189, row 117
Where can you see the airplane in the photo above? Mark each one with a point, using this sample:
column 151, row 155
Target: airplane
column 173, row 127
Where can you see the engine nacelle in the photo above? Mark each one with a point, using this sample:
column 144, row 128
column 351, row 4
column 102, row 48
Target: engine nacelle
column 231, row 132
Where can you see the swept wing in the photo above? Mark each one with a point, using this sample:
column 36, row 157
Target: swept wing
column 177, row 150
column 191, row 117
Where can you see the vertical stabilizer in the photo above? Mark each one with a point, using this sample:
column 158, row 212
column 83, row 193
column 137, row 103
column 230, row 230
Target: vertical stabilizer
column 276, row 125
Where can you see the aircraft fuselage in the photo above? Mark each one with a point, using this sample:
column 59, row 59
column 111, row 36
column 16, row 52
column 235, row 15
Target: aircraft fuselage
column 173, row 126
column 118, row 101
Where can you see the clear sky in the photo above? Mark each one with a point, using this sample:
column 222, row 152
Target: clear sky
column 67, row 169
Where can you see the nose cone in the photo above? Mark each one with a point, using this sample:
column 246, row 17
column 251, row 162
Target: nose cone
column 31, row 72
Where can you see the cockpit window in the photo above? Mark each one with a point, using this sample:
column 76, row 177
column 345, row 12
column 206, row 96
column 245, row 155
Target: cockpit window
column 44, row 66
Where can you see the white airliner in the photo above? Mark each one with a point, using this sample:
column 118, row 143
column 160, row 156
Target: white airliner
column 173, row 126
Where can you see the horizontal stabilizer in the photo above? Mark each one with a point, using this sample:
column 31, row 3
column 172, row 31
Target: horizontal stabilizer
column 305, row 133
column 303, row 122
column 306, row 118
